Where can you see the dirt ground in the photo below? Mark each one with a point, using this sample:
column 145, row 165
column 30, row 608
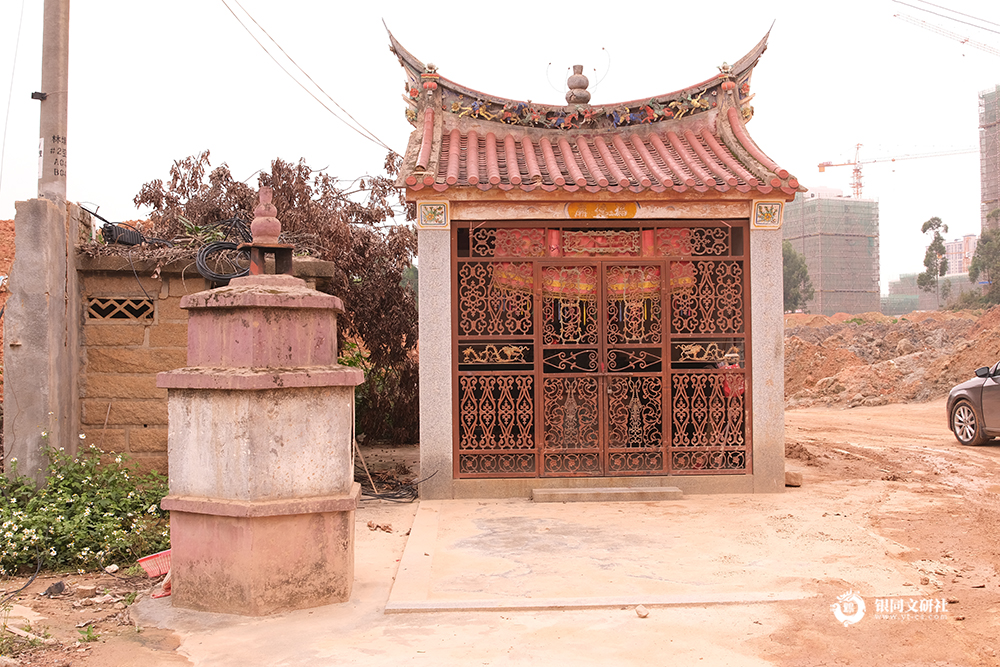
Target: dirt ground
column 893, row 470
column 870, row 359
column 936, row 501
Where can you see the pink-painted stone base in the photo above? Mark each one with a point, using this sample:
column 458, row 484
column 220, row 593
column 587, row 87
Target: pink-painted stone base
column 251, row 565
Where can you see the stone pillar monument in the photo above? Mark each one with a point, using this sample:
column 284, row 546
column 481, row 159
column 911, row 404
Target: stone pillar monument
column 262, row 491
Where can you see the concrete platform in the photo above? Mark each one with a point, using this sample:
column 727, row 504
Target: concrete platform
column 554, row 583
column 520, row 555
column 605, row 494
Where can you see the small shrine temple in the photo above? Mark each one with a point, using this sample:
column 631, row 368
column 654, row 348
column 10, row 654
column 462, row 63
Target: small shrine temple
column 600, row 289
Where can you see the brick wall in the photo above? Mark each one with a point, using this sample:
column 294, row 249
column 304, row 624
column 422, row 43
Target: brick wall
column 133, row 328
column 128, row 337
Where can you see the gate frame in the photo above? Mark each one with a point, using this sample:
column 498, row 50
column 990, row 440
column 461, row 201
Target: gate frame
column 765, row 356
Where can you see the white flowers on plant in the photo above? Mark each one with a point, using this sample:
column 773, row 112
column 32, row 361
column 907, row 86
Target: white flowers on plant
column 83, row 436
column 82, row 516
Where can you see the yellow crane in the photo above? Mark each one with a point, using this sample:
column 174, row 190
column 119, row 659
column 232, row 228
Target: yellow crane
column 857, row 162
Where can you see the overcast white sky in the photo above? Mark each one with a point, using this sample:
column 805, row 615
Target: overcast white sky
column 154, row 82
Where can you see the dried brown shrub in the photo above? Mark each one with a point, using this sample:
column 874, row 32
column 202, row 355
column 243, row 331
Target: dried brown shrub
column 343, row 224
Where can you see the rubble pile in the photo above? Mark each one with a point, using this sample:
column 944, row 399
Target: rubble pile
column 872, row 359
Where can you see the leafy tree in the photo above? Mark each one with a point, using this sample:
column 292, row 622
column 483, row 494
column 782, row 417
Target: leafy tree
column 935, row 262
column 342, row 223
column 798, row 286
column 985, row 265
column 993, row 216
column 411, row 277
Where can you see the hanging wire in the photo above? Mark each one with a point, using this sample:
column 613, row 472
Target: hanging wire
column 606, row 71
column 955, row 11
column 366, row 133
column 548, row 78
column 320, row 88
column 10, row 93
column 950, row 18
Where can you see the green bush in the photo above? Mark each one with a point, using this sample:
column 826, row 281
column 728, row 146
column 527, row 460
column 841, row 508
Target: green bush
column 91, row 512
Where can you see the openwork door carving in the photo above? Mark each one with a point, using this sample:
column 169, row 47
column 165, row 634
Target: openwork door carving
column 707, row 297
column 495, row 298
column 572, row 430
column 633, row 304
column 708, row 421
column 571, row 410
column 569, row 305
column 635, row 425
column 496, row 412
column 591, row 352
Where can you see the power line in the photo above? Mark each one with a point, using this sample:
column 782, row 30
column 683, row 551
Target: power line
column 950, row 18
column 10, row 93
column 367, row 134
column 320, row 88
column 955, row 11
column 947, row 33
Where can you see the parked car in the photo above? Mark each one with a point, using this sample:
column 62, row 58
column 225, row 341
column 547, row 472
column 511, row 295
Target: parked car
column 974, row 407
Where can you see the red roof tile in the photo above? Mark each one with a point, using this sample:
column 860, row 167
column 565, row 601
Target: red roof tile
column 694, row 139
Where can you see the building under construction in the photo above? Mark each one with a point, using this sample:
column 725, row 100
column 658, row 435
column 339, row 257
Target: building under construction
column 839, row 239
column 989, row 155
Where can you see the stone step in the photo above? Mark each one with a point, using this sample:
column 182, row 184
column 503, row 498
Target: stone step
column 606, row 494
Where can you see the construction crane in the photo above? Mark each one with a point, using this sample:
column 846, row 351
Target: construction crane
column 947, row 33
column 857, row 162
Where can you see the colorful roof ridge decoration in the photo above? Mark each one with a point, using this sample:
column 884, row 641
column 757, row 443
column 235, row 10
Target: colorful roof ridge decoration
column 694, row 138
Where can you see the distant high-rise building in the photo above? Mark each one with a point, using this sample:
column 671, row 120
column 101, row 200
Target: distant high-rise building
column 989, row 156
column 960, row 253
column 839, row 239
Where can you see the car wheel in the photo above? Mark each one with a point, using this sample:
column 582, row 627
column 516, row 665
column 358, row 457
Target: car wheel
column 965, row 424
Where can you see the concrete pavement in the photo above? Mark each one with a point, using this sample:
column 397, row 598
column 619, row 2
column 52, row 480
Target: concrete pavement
column 506, row 582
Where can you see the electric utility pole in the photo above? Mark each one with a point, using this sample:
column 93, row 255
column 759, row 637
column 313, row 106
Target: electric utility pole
column 42, row 316
column 54, row 101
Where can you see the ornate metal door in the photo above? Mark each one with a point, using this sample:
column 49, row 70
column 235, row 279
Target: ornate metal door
column 601, row 352
column 602, row 385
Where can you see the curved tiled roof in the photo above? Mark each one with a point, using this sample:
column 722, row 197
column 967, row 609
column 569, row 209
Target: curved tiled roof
column 695, row 139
